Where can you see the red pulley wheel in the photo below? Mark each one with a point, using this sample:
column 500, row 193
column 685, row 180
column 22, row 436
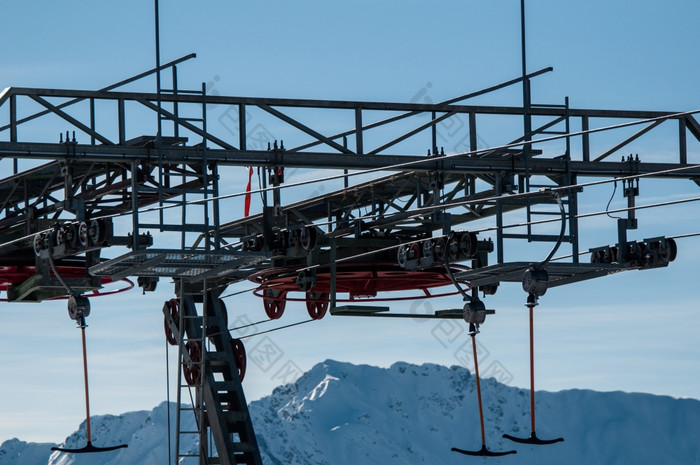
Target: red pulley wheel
column 317, row 305
column 193, row 370
column 239, row 356
column 274, row 302
column 174, row 309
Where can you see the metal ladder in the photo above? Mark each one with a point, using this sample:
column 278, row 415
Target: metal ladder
column 175, row 186
column 224, row 432
column 543, row 208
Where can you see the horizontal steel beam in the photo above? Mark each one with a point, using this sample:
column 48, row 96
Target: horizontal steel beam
column 321, row 160
column 331, row 104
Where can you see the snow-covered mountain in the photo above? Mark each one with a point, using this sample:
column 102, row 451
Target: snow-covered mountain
column 145, row 433
column 339, row 414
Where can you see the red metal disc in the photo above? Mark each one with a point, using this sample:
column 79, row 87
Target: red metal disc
column 274, row 303
column 193, row 371
column 317, row 304
column 240, row 356
column 174, row 309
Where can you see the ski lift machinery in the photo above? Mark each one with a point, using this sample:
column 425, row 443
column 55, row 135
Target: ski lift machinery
column 400, row 235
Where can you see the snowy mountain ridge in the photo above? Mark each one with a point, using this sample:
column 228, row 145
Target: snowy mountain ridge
column 339, row 414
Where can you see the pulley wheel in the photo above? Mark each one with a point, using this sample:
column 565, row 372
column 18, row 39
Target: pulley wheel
column 317, row 304
column 70, row 234
column 239, row 356
column 468, row 244
column 452, row 248
column 174, row 309
column 428, row 248
column 38, row 243
column 94, row 232
column 307, row 238
column 60, row 237
column 83, row 234
column 670, row 251
column 439, row 249
column 193, row 371
column 274, row 303
column 78, row 307
column 402, row 255
column 407, row 252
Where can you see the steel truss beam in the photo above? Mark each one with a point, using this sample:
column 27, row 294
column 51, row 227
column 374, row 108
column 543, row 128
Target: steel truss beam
column 103, row 170
column 115, row 175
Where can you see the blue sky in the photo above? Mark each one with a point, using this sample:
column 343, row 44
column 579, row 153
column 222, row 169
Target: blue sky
column 635, row 331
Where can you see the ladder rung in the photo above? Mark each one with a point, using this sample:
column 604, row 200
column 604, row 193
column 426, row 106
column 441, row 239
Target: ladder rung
column 236, row 417
column 225, row 386
column 548, row 105
column 537, row 237
column 182, row 91
column 243, row 447
column 545, row 213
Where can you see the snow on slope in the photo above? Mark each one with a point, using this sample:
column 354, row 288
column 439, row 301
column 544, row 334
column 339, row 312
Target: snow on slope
column 343, row 414
column 339, row 414
column 16, row 452
column 144, row 432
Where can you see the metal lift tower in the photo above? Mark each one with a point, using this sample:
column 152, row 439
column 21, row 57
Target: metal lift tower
column 95, row 204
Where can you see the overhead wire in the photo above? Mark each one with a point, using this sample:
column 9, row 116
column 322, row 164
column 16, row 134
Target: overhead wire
column 422, row 210
column 494, row 228
column 508, row 226
column 277, row 329
column 238, row 292
column 684, row 236
column 591, row 214
column 518, row 143
column 408, row 164
column 418, row 211
column 238, row 328
column 550, row 257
